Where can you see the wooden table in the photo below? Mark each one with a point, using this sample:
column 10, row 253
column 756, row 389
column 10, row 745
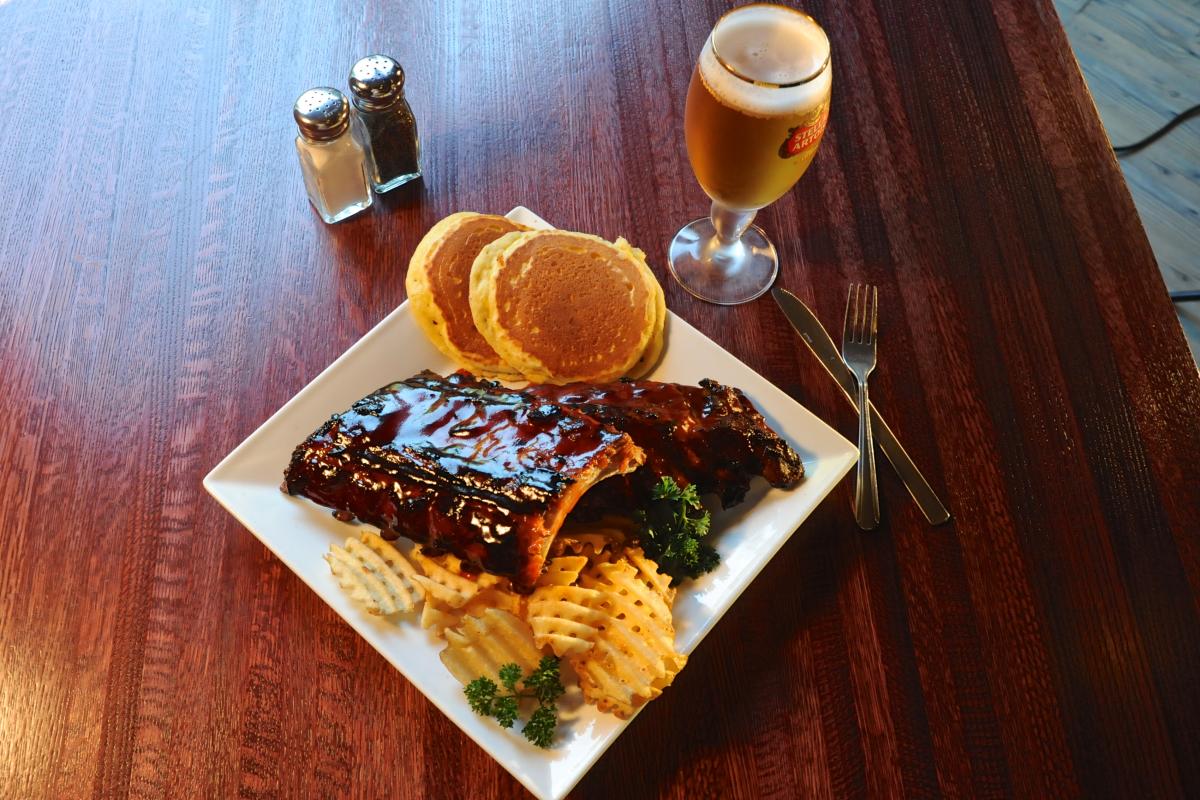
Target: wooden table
column 164, row 287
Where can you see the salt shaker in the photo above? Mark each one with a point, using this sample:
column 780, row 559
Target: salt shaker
column 332, row 158
column 385, row 122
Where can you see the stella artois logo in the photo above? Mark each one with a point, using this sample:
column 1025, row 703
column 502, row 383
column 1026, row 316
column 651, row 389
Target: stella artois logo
column 802, row 137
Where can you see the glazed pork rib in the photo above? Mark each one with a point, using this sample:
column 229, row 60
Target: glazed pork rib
column 461, row 465
column 710, row 435
column 464, row 465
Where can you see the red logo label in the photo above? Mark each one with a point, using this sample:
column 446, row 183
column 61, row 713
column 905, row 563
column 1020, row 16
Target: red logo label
column 802, row 137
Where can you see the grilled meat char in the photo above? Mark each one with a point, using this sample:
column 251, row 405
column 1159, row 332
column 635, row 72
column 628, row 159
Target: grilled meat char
column 461, row 465
column 710, row 435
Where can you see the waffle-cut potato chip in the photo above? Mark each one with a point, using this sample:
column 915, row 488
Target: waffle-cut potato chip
column 615, row 679
column 438, row 616
column 562, row 571
column 595, row 544
column 443, row 580
column 479, row 646
column 600, row 605
column 493, row 598
column 648, row 572
column 634, row 657
column 375, row 574
column 567, row 618
column 622, row 580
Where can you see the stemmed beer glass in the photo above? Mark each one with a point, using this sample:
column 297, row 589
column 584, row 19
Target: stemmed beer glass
column 756, row 111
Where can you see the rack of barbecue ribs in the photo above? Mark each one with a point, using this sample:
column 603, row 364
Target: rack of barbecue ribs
column 462, row 466
column 466, row 466
column 708, row 435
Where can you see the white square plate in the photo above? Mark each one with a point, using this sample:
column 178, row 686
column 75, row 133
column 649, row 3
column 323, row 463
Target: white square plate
column 299, row 532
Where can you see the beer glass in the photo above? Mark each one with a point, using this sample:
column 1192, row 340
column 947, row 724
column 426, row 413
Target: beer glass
column 756, row 111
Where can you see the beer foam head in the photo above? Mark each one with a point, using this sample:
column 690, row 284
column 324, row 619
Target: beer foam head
column 772, row 44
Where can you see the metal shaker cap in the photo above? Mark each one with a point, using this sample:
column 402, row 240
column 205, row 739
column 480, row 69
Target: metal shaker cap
column 376, row 82
column 322, row 114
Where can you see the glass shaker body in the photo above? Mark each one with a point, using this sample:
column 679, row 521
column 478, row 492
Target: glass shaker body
column 335, row 175
column 391, row 136
column 385, row 122
column 332, row 158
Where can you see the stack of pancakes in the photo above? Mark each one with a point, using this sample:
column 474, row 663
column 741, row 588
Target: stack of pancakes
column 547, row 306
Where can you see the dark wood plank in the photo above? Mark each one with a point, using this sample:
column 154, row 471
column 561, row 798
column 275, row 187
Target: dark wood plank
column 164, row 287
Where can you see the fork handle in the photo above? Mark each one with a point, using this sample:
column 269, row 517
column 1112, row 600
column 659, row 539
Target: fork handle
column 866, row 492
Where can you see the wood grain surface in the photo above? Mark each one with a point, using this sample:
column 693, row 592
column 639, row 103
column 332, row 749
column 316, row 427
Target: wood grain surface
column 165, row 287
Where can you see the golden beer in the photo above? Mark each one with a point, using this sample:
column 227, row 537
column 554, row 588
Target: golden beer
column 756, row 111
column 757, row 105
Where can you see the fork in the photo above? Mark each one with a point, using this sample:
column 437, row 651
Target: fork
column 858, row 351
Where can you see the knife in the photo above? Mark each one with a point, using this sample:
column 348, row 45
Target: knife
column 805, row 322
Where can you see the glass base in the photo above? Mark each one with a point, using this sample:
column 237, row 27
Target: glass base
column 395, row 182
column 344, row 213
column 722, row 274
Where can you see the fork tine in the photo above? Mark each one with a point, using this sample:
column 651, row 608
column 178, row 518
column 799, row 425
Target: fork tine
column 874, row 314
column 851, row 314
column 864, row 299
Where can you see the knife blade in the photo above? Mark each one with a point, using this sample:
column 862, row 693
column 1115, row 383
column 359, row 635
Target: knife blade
column 805, row 323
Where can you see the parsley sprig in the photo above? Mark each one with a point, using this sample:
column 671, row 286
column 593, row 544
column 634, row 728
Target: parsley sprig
column 673, row 525
column 543, row 685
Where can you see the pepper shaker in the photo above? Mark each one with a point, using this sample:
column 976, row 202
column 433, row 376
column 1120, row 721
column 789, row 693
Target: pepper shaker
column 331, row 156
column 385, row 122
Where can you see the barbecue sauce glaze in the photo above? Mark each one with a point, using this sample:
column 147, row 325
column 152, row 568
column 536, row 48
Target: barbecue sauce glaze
column 458, row 464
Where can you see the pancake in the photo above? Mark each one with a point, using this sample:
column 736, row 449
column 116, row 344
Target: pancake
column 658, row 339
column 438, row 280
column 563, row 307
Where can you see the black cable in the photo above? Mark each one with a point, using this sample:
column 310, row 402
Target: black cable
column 1186, row 296
column 1128, row 149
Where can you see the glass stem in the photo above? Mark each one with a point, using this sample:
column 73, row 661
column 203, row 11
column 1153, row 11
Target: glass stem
column 729, row 223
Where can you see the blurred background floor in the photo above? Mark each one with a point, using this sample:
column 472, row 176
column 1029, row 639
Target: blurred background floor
column 1141, row 59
